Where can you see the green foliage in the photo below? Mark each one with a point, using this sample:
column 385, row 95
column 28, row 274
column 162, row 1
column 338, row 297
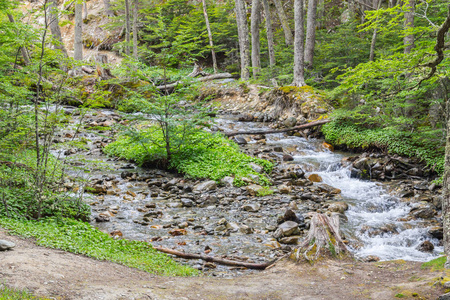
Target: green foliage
column 7, row 293
column 80, row 238
column 264, row 191
column 436, row 264
column 203, row 155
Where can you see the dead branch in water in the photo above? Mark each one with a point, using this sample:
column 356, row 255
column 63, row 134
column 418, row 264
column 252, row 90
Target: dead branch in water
column 304, row 126
column 221, row 261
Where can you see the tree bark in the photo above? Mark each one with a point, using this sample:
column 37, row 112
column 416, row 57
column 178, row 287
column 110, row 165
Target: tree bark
column 310, row 33
column 299, row 77
column 270, row 44
column 284, row 23
column 221, row 261
column 377, row 4
column 23, row 50
column 54, row 26
column 85, row 10
column 107, row 8
column 408, row 40
column 135, row 29
column 210, row 37
column 78, row 43
column 244, row 43
column 304, row 126
column 256, row 48
column 127, row 27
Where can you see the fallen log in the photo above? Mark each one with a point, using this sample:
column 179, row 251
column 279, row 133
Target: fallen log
column 171, row 86
column 308, row 125
column 256, row 266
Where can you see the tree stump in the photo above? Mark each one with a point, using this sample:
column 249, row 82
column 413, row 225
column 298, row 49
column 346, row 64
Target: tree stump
column 323, row 239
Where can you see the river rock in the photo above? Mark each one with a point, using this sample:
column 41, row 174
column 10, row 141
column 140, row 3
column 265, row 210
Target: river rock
column 288, row 228
column 287, row 157
column 290, row 240
column 290, row 215
column 187, row 202
column 240, row 140
column 290, row 122
column 6, row 245
column 371, row 258
column 425, row 246
column 423, row 211
column 315, row 178
column 339, row 207
column 329, row 189
column 252, row 207
column 227, row 181
column 205, row 186
column 437, row 232
column 284, row 189
column 253, row 189
column 257, row 168
column 246, row 229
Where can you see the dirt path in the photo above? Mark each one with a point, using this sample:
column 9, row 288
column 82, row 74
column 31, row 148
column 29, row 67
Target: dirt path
column 55, row 273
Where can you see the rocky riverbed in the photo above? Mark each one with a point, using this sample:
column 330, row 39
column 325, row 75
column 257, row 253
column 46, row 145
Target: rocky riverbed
column 202, row 216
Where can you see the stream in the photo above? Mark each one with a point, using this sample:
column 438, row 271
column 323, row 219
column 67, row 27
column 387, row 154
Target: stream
column 161, row 208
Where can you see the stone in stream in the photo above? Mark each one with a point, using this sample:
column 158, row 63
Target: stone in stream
column 437, row 232
column 288, row 157
column 315, row 178
column 256, row 168
column 187, row 202
column 339, row 207
column 6, row 245
column 423, row 211
column 290, row 122
column 329, row 189
column 252, row 207
column 425, row 246
column 240, row 140
column 205, row 186
column 288, row 228
column 284, row 189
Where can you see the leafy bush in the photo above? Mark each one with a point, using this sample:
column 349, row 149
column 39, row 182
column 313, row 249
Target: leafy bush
column 81, row 238
column 204, row 155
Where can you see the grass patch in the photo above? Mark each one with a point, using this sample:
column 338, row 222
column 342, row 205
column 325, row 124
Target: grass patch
column 80, row 238
column 202, row 155
column 436, row 264
column 7, row 293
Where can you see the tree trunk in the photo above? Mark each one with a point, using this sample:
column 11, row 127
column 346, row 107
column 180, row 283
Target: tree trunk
column 377, row 4
column 78, row 43
column 256, row 49
column 135, row 29
column 210, row 37
column 107, row 8
column 254, row 132
column 408, row 40
column 299, row 78
column 244, row 43
column 269, row 31
column 127, row 27
column 446, row 201
column 310, row 33
column 284, row 22
column 85, row 10
column 23, row 50
column 54, row 26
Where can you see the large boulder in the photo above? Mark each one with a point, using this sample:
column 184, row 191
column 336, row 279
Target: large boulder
column 205, row 186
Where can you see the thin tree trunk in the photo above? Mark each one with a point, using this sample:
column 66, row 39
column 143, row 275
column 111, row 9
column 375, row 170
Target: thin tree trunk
column 299, row 78
column 408, row 40
column 135, row 29
column 127, row 27
column 210, row 37
column 269, row 30
column 446, row 201
column 256, row 48
column 310, row 33
column 107, row 8
column 321, row 14
column 244, row 44
column 377, row 4
column 85, row 10
column 78, row 43
column 54, row 26
column 23, row 50
column 304, row 126
column 284, row 23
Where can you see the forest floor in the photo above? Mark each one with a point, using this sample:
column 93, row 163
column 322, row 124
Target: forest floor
column 62, row 275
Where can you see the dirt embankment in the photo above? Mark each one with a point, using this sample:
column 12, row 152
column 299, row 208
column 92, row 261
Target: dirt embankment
column 62, row 275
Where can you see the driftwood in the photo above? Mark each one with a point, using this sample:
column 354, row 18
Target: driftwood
column 308, row 125
column 221, row 261
column 198, row 71
column 323, row 238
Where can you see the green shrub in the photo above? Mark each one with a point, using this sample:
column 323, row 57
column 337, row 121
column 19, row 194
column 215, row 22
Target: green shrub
column 203, row 155
column 82, row 238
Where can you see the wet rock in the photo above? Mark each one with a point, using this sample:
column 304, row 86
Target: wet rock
column 254, row 189
column 371, row 258
column 227, row 181
column 288, row 157
column 314, row 178
column 187, row 202
column 290, row 122
column 437, row 232
column 297, row 173
column 290, row 240
column 246, row 229
column 339, row 207
column 174, row 205
column 240, row 140
column 284, row 189
column 97, row 189
column 329, row 189
column 252, row 207
column 288, row 228
column 177, row 232
column 278, row 149
column 328, row 146
column 205, row 186
column 245, row 118
column 425, row 246
column 125, row 174
column 6, row 245
column 116, row 233
column 423, row 211
column 102, row 218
